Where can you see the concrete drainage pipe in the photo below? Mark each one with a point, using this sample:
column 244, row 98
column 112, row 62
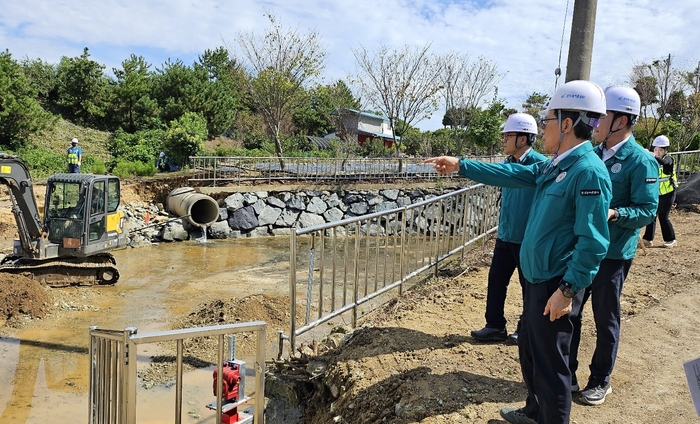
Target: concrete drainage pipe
column 200, row 209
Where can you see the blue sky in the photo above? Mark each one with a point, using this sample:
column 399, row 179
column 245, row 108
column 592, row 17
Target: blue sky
column 523, row 37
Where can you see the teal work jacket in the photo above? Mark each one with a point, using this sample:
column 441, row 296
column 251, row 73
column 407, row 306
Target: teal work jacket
column 567, row 231
column 515, row 205
column 634, row 176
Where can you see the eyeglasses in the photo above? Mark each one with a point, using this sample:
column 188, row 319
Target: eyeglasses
column 543, row 121
column 507, row 136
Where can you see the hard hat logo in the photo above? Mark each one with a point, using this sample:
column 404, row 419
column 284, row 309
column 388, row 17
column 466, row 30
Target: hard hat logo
column 579, row 95
column 623, row 99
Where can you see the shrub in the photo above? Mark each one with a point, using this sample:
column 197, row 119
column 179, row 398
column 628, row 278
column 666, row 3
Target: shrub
column 42, row 162
column 126, row 169
column 93, row 165
column 185, row 137
column 142, row 146
column 237, row 151
column 375, row 148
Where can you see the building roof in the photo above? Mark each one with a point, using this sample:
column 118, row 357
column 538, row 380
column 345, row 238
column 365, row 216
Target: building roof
column 357, row 112
column 378, row 135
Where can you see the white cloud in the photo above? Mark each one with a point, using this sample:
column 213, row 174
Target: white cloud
column 523, row 37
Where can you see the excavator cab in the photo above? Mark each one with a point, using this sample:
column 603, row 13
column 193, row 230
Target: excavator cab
column 81, row 214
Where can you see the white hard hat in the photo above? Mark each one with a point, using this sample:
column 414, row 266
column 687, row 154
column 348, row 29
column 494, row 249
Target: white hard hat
column 74, row 141
column 579, row 95
column 622, row 99
column 162, row 154
column 520, row 122
column 661, row 141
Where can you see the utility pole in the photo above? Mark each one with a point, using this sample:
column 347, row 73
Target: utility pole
column 578, row 65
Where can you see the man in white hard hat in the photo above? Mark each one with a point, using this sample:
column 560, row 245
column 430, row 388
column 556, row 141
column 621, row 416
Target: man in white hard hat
column 633, row 174
column 667, row 194
column 74, row 156
column 565, row 239
column 519, row 134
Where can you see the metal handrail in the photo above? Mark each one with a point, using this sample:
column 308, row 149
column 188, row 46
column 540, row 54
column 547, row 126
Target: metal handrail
column 686, row 164
column 237, row 169
column 381, row 251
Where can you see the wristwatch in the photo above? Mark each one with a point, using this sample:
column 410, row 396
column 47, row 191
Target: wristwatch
column 616, row 216
column 566, row 290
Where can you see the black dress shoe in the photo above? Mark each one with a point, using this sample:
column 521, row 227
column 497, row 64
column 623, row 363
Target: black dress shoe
column 490, row 334
column 513, row 338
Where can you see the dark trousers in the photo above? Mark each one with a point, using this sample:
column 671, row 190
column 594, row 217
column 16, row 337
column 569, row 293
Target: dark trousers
column 604, row 292
column 665, row 205
column 73, row 168
column 544, row 356
column 506, row 259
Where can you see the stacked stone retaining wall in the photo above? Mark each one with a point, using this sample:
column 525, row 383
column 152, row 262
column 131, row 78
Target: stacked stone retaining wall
column 277, row 213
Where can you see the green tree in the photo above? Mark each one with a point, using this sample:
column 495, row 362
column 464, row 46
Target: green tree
column 185, row 137
column 83, row 90
column 535, row 103
column 318, row 117
column 484, row 133
column 225, row 83
column 133, row 108
column 440, row 142
column 20, row 112
column 43, row 79
column 280, row 64
column 178, row 89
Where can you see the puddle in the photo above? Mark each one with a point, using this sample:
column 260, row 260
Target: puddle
column 45, row 373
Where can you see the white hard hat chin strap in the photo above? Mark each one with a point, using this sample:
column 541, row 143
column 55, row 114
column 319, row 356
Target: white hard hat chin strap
column 561, row 135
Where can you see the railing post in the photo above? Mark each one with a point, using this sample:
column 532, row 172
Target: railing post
column 129, row 377
column 405, row 225
column 356, row 280
column 259, row 411
column 217, row 168
column 93, row 377
column 292, row 290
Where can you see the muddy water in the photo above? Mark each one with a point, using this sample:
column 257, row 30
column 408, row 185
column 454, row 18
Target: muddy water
column 44, row 375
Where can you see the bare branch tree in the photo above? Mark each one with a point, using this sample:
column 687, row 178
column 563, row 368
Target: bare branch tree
column 465, row 85
column 655, row 83
column 280, row 64
column 401, row 83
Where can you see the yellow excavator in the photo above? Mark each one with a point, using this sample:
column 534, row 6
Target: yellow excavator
column 81, row 223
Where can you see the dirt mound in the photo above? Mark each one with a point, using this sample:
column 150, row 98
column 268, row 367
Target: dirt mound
column 202, row 352
column 152, row 189
column 22, row 297
column 273, row 310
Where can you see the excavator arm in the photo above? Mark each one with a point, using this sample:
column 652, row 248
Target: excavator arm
column 15, row 175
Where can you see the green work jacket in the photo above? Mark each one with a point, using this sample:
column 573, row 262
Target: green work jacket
column 567, row 232
column 634, row 176
column 515, row 205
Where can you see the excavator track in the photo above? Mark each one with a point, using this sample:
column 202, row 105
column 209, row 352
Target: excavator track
column 93, row 270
